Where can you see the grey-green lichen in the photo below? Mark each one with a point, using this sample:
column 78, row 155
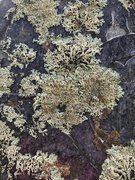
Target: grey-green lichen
column 5, row 44
column 29, row 84
column 78, row 15
column 9, row 113
column 59, row 104
column 120, row 163
column 66, row 97
column 72, row 52
column 33, row 165
column 41, row 14
column 6, row 81
column 7, row 137
column 22, row 55
column 127, row 4
column 75, row 83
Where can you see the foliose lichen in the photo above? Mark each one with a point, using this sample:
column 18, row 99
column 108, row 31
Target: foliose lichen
column 72, row 53
column 64, row 98
column 58, row 102
column 127, row 4
column 7, row 137
column 120, row 163
column 29, row 84
column 6, row 81
column 33, row 165
column 79, row 15
column 9, row 113
column 41, row 14
column 22, row 55
column 75, row 82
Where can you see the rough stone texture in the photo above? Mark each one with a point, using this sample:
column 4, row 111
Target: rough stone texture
column 118, row 53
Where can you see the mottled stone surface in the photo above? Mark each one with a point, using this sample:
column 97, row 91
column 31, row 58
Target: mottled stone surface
column 118, row 53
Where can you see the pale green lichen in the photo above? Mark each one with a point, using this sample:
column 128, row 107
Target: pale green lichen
column 33, row 165
column 78, row 15
column 120, row 163
column 41, row 14
column 58, row 92
column 29, row 84
column 7, row 136
column 127, row 4
column 98, row 88
column 65, row 98
column 22, row 55
column 5, row 81
column 9, row 113
column 5, row 44
column 16, row 163
column 7, row 139
column 72, row 52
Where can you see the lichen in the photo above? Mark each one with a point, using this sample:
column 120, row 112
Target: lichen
column 9, row 113
column 6, row 81
column 7, row 139
column 79, row 15
column 127, row 4
column 72, row 52
column 5, row 44
column 65, row 98
column 7, row 136
column 58, row 103
column 22, row 55
column 120, row 163
column 29, row 84
column 75, row 83
column 41, row 14
column 32, row 165
column 99, row 88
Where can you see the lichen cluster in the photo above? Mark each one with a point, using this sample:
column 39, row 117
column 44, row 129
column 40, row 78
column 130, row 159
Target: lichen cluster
column 66, row 98
column 75, row 83
column 72, row 52
column 41, row 14
column 120, row 163
column 22, row 55
column 6, row 80
column 39, row 166
column 9, row 113
column 33, row 165
column 127, row 4
column 29, row 84
column 7, row 137
column 79, row 15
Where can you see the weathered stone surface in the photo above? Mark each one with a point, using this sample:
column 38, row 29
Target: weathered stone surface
column 117, row 53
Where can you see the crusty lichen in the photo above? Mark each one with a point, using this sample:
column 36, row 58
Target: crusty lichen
column 72, row 52
column 120, row 163
column 41, row 14
column 22, row 55
column 6, row 81
column 78, row 15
